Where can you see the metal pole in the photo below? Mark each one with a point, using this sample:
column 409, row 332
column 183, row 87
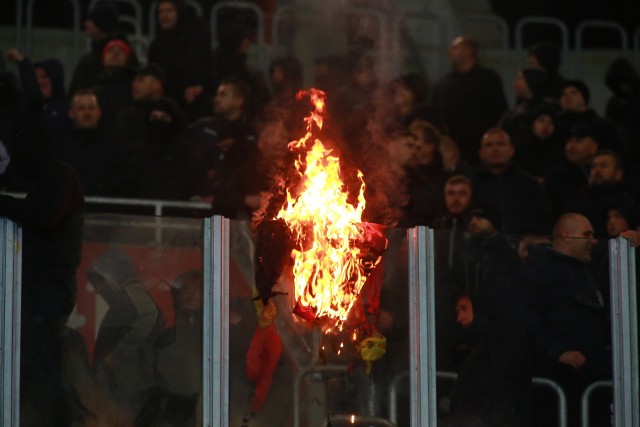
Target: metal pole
column 624, row 333
column 215, row 348
column 10, row 302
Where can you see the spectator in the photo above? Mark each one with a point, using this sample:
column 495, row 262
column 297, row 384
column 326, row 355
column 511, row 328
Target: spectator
column 424, row 197
column 131, row 123
column 101, row 26
column 230, row 61
column 124, row 357
column 182, row 49
column 470, row 97
column 575, row 111
column 605, row 187
column 556, row 303
column 457, row 201
column 451, row 162
column 494, row 382
column 51, row 219
column 546, row 55
column 88, row 149
column 427, row 161
column 43, row 86
column 623, row 108
column 541, row 149
column 408, row 92
column 168, row 166
column 114, row 82
column 529, row 85
column 498, row 182
column 563, row 183
column 228, row 143
column 179, row 358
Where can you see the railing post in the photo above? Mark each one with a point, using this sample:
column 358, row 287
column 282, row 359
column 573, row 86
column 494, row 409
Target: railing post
column 624, row 333
column 215, row 348
column 10, row 297
column 422, row 348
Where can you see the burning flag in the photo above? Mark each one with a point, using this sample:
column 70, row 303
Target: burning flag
column 334, row 252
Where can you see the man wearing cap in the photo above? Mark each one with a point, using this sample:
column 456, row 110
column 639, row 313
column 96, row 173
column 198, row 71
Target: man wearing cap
column 564, row 182
column 131, row 123
column 574, row 102
column 518, row 197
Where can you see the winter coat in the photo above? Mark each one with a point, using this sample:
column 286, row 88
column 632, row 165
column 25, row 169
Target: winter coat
column 51, row 217
column 518, row 197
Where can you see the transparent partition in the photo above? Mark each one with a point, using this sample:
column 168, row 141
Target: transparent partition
column 286, row 369
column 132, row 348
column 523, row 329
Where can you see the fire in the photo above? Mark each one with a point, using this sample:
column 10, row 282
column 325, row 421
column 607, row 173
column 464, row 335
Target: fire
column 329, row 268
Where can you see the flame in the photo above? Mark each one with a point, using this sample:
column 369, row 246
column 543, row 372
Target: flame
column 328, row 274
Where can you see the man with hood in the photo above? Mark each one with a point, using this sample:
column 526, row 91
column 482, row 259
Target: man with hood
column 181, row 48
column 51, row 219
column 124, row 354
column 43, row 85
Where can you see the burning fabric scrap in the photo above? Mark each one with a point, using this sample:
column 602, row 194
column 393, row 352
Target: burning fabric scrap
column 314, row 225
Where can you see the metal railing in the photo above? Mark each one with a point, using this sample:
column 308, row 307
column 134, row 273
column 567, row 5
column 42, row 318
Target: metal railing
column 415, row 14
column 302, row 373
column 586, row 399
column 357, row 420
column 29, row 27
column 592, row 24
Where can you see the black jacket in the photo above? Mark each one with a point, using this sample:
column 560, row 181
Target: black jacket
column 51, row 217
column 518, row 197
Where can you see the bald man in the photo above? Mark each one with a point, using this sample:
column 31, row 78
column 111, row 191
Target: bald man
column 556, row 302
column 471, row 97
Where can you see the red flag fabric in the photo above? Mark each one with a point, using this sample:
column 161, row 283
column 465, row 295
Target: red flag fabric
column 262, row 357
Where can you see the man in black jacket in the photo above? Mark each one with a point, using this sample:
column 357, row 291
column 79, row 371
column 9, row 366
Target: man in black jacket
column 51, row 218
column 520, row 200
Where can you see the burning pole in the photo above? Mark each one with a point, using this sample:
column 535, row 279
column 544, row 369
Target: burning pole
column 315, row 222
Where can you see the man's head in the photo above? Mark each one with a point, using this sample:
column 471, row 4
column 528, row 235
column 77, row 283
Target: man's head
column 529, row 83
column 116, row 54
column 85, row 110
column 616, row 223
column 464, row 310
column 606, row 168
column 463, row 53
column 573, row 236
column 167, row 14
column 148, row 84
column 543, row 124
column 574, row 96
column 101, row 21
column 457, row 194
column 581, row 146
column 496, row 149
column 484, row 220
column 232, row 98
column 427, row 139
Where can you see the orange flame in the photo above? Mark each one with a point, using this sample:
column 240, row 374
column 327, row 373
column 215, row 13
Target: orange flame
column 328, row 275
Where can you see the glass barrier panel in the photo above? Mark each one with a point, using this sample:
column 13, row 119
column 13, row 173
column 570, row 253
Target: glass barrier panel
column 288, row 371
column 132, row 348
column 522, row 328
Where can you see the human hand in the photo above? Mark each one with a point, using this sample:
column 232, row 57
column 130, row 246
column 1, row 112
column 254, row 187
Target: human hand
column 192, row 92
column 573, row 358
column 633, row 236
column 15, row 56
